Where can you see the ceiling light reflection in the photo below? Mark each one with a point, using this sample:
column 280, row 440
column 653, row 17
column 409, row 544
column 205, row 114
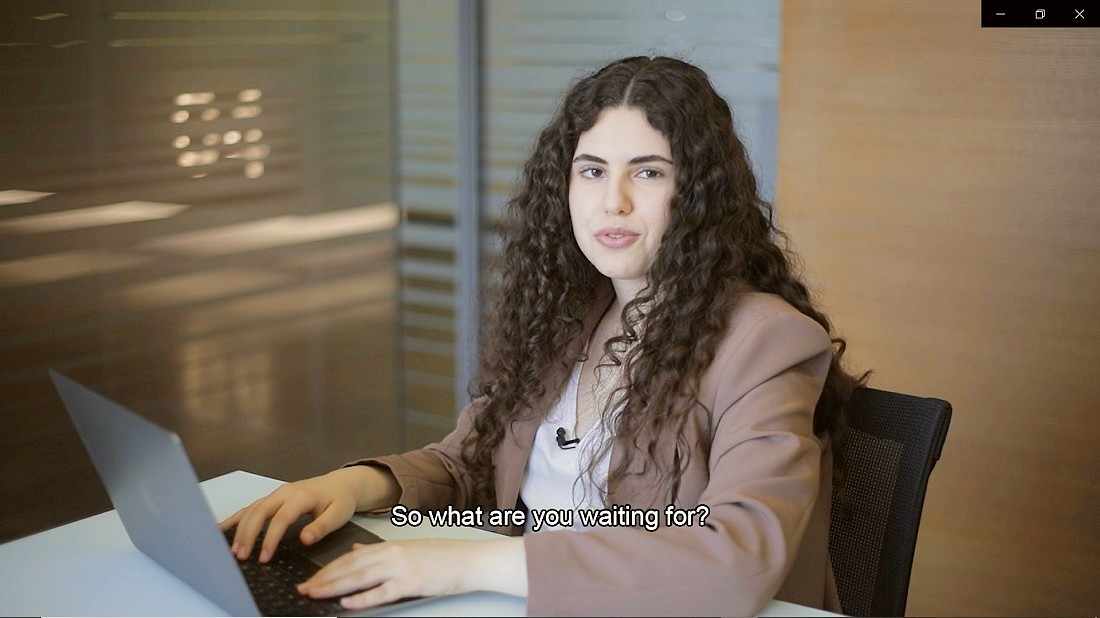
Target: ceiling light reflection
column 95, row 216
column 19, row 196
column 239, row 39
column 193, row 158
column 196, row 287
column 210, row 113
column 194, row 98
column 250, row 153
column 238, row 314
column 232, row 137
column 250, row 95
column 240, row 384
column 346, row 256
column 180, row 115
column 277, row 231
column 247, row 111
column 253, row 169
column 65, row 265
column 253, row 135
column 181, row 141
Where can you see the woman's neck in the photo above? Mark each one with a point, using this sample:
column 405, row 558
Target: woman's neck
column 626, row 290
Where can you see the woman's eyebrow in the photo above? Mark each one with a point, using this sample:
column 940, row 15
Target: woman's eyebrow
column 650, row 159
column 636, row 160
column 590, row 158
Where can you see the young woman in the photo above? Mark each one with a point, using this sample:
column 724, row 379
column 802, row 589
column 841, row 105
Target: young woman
column 648, row 314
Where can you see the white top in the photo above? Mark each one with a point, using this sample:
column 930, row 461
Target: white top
column 555, row 477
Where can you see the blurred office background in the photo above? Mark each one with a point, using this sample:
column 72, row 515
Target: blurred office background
column 270, row 227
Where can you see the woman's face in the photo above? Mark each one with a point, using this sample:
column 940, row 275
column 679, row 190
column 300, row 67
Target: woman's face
column 620, row 186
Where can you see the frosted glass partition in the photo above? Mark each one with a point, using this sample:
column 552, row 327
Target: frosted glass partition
column 198, row 219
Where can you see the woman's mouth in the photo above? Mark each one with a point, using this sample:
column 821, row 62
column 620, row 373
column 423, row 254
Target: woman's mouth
column 616, row 238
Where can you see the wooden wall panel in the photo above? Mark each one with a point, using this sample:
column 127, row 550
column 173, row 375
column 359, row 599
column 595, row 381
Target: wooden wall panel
column 942, row 184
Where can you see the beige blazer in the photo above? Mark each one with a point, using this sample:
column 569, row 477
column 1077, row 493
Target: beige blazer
column 765, row 477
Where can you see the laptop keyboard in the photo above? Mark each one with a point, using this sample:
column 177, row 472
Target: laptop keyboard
column 274, row 584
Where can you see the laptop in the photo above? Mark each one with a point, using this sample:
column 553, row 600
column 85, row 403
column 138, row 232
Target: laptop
column 154, row 489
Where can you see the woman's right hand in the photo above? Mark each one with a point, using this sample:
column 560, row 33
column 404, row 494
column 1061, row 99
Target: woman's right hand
column 331, row 498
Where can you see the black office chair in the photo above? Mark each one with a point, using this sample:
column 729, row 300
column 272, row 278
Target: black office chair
column 894, row 442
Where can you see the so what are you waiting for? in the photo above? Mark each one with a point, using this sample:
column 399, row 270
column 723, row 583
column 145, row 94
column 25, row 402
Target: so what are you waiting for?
column 617, row 516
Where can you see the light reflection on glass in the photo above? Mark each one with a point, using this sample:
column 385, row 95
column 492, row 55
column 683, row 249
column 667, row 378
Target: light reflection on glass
column 180, row 115
column 194, row 98
column 201, row 399
column 253, row 169
column 251, row 153
column 247, row 111
column 276, row 231
column 250, row 95
column 365, row 251
column 238, row 314
column 253, row 377
column 210, row 113
column 253, row 135
column 65, row 265
column 181, row 141
column 194, row 287
column 215, row 370
column 109, row 214
column 197, row 157
column 211, row 139
column 19, row 196
column 232, row 137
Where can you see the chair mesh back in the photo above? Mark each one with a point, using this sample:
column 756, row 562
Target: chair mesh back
column 893, row 444
column 872, row 471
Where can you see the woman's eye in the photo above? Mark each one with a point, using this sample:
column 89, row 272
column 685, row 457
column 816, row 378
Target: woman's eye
column 650, row 174
column 592, row 172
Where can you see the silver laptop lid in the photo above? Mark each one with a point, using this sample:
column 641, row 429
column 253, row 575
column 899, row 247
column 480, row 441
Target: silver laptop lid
column 157, row 496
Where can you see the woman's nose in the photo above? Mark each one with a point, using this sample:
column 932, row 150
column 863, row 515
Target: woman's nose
column 617, row 200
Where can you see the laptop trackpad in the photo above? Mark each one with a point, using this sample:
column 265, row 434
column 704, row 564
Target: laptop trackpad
column 335, row 544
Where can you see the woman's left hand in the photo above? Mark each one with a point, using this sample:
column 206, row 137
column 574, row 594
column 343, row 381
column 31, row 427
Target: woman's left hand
column 377, row 574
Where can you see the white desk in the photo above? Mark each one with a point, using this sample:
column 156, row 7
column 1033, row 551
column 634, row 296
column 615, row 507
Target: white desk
column 90, row 568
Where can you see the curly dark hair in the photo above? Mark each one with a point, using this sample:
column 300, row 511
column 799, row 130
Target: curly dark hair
column 718, row 224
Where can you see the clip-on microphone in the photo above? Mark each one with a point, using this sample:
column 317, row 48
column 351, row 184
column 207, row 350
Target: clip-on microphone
column 566, row 444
